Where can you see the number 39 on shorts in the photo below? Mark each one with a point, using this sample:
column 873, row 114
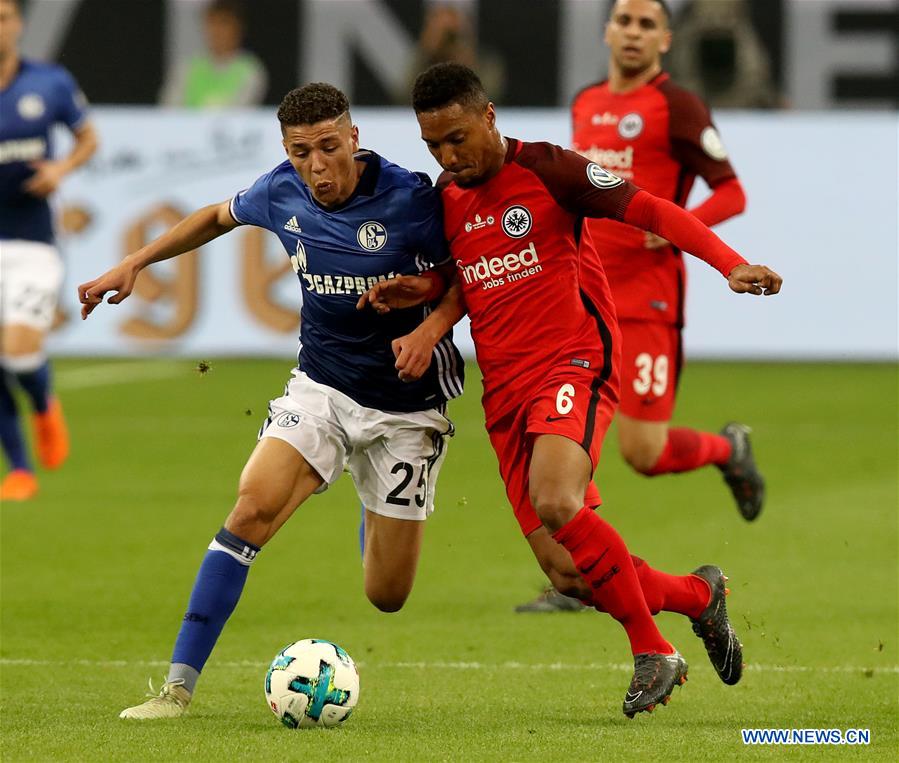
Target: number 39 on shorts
column 652, row 374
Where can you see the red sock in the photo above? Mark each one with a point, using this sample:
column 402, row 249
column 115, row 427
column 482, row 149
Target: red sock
column 685, row 594
column 603, row 561
column 688, row 449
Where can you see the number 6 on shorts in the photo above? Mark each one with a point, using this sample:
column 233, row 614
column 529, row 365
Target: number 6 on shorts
column 565, row 399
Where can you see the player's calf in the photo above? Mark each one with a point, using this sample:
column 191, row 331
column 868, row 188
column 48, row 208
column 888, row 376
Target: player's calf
column 392, row 548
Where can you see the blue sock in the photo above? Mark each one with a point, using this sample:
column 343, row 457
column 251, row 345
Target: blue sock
column 362, row 531
column 10, row 431
column 36, row 384
column 216, row 592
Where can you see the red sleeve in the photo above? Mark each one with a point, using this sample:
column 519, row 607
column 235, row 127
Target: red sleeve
column 695, row 142
column 668, row 220
column 727, row 200
column 578, row 185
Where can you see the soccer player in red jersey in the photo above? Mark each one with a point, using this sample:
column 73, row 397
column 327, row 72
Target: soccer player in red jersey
column 646, row 129
column 643, row 127
column 548, row 345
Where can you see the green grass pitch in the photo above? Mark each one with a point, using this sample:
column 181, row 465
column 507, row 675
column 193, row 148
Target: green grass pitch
column 97, row 570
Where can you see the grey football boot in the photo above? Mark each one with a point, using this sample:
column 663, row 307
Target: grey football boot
column 655, row 676
column 714, row 628
column 741, row 474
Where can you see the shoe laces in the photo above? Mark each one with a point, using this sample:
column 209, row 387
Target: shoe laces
column 165, row 690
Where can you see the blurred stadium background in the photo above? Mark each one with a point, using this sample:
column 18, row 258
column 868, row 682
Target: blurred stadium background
column 96, row 570
column 818, row 161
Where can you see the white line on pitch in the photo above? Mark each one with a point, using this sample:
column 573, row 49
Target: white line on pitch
column 622, row 666
column 102, row 374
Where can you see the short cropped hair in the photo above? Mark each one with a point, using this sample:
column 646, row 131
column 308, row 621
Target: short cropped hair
column 312, row 103
column 666, row 9
column 447, row 83
column 233, row 8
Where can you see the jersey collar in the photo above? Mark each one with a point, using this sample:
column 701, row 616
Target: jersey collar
column 513, row 146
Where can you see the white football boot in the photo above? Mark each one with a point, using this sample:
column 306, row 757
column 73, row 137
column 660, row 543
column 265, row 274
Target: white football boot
column 171, row 702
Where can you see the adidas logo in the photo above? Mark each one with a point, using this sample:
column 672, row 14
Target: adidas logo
column 293, row 225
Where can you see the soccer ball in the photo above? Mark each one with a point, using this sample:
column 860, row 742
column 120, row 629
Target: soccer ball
column 312, row 683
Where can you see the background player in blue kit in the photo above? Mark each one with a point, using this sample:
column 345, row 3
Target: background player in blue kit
column 347, row 219
column 33, row 98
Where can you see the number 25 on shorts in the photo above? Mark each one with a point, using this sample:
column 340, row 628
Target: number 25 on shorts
column 421, row 489
column 651, row 374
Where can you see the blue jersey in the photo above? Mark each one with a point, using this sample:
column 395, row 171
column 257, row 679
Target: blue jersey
column 39, row 96
column 391, row 225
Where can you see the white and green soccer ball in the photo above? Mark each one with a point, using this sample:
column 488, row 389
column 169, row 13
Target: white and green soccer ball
column 312, row 683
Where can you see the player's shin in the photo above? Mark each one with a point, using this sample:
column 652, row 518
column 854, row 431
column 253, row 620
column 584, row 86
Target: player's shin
column 33, row 374
column 10, row 428
column 603, row 561
column 215, row 594
column 685, row 594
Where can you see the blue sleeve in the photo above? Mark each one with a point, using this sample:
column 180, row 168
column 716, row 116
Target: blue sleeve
column 428, row 226
column 71, row 105
column 251, row 206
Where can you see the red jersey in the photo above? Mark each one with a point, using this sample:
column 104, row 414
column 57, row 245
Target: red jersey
column 661, row 137
column 533, row 283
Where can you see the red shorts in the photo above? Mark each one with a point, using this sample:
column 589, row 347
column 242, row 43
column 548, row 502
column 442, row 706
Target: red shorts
column 574, row 402
column 651, row 363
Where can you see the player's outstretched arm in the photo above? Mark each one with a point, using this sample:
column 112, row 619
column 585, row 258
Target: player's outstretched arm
column 688, row 234
column 727, row 199
column 193, row 231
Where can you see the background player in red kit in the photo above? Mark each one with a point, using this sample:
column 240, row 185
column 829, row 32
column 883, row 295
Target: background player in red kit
column 548, row 346
column 644, row 128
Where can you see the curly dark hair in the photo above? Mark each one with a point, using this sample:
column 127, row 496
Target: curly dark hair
column 312, row 103
column 447, row 83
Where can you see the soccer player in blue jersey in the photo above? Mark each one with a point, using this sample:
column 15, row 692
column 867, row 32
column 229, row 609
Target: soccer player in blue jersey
column 347, row 219
column 33, row 98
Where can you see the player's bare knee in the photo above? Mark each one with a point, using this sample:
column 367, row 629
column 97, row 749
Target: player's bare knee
column 642, row 456
column 555, row 507
column 21, row 340
column 386, row 599
column 251, row 516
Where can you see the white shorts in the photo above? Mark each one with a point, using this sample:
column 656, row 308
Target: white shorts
column 393, row 458
column 30, row 276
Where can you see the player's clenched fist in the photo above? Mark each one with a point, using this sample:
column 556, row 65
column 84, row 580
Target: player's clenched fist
column 754, row 279
column 119, row 279
column 413, row 354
